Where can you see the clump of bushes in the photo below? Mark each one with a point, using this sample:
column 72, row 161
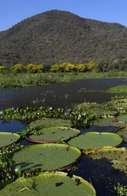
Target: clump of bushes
column 39, row 68
column 68, row 67
column 34, row 68
column 30, row 68
column 121, row 190
column 3, row 69
column 18, row 68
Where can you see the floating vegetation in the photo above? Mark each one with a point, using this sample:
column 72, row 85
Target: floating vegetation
column 94, row 140
column 117, row 156
column 49, row 122
column 53, row 135
column 123, row 133
column 122, row 118
column 46, row 156
column 51, row 184
column 118, row 104
column 7, row 138
column 98, row 110
column 118, row 89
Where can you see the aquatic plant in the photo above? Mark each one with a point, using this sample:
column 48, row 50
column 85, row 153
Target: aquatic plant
column 94, row 140
column 49, row 122
column 51, row 184
column 118, row 89
column 118, row 104
column 7, row 173
column 121, row 190
column 46, row 156
column 52, row 134
column 78, row 119
column 7, row 138
column 117, row 156
column 123, row 133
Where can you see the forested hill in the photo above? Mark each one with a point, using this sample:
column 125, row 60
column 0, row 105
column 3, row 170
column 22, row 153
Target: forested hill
column 59, row 36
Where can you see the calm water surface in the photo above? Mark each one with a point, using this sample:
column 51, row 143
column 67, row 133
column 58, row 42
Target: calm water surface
column 60, row 95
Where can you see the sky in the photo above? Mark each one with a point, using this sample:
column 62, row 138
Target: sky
column 13, row 11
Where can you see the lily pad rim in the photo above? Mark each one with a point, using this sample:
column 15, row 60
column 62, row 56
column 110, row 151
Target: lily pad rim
column 28, row 137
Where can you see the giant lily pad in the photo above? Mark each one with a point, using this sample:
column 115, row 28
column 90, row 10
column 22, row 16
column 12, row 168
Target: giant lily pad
column 53, row 135
column 49, row 122
column 117, row 156
column 46, row 156
column 7, row 138
column 92, row 140
column 49, row 184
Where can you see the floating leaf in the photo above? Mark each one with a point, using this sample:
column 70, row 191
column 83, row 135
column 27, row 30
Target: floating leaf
column 7, row 138
column 49, row 122
column 95, row 140
column 50, row 184
column 46, row 156
column 53, row 135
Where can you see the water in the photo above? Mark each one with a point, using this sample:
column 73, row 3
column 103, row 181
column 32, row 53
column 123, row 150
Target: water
column 60, row 95
column 11, row 126
column 99, row 172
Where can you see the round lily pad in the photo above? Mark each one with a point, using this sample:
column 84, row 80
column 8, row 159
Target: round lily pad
column 53, row 135
column 49, row 184
column 92, row 140
column 7, row 138
column 49, row 122
column 46, row 156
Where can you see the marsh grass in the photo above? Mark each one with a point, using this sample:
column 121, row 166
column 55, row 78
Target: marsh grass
column 38, row 79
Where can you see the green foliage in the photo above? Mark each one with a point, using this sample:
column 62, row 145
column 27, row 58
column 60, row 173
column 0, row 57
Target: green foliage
column 94, row 140
column 68, row 67
column 52, row 134
column 51, row 184
column 118, row 104
column 7, row 173
column 117, row 156
column 81, row 119
column 30, row 68
column 121, row 190
column 118, row 89
column 3, row 69
column 34, row 68
column 18, row 68
column 7, row 138
column 48, row 157
column 78, row 119
column 49, row 122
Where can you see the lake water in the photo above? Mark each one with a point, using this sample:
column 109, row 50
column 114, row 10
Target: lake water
column 11, row 126
column 100, row 172
column 60, row 95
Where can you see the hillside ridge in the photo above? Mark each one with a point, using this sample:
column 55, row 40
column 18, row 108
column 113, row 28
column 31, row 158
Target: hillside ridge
column 60, row 36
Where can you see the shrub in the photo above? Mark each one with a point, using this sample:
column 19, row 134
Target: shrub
column 34, row 68
column 68, row 67
column 121, row 190
column 92, row 65
column 2, row 69
column 18, row 68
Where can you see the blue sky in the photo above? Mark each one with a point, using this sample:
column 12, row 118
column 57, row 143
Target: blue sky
column 13, row 11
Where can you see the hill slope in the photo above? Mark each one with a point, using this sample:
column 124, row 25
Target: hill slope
column 59, row 36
